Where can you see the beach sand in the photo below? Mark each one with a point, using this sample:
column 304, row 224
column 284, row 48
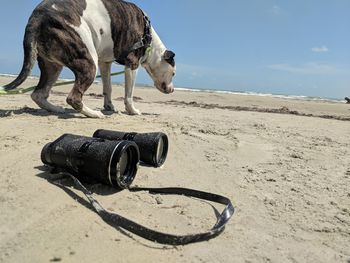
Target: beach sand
column 285, row 164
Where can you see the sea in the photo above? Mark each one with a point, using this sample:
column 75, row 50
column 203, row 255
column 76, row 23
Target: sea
column 247, row 93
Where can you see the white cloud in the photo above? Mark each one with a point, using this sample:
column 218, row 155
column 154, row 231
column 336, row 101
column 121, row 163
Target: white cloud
column 276, row 10
column 312, row 68
column 322, row 49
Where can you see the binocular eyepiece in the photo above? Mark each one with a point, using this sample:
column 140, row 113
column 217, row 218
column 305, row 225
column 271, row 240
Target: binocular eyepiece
column 153, row 146
column 111, row 162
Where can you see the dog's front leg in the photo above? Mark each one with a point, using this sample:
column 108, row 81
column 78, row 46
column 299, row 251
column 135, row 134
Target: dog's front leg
column 105, row 68
column 130, row 79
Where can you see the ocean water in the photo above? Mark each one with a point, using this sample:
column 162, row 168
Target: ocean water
column 247, row 93
column 250, row 93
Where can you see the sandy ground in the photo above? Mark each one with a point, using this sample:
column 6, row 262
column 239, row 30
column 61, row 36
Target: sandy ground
column 285, row 164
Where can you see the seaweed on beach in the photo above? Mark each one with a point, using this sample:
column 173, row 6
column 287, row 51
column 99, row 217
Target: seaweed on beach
column 282, row 110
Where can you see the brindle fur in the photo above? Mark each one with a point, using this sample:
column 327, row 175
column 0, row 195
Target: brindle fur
column 127, row 28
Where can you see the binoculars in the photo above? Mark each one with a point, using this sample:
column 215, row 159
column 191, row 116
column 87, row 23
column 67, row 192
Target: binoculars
column 110, row 157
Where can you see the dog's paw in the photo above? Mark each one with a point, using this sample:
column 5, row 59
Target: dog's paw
column 132, row 111
column 109, row 107
column 96, row 115
column 92, row 113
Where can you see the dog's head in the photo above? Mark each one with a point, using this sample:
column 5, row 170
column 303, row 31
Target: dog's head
column 160, row 65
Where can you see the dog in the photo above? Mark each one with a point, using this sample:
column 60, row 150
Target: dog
column 85, row 35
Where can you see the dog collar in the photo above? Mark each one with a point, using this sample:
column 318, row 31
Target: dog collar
column 145, row 57
column 144, row 43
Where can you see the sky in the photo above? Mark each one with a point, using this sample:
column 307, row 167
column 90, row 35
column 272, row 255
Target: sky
column 299, row 47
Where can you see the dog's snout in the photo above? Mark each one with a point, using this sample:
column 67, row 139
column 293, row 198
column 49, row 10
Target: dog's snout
column 164, row 86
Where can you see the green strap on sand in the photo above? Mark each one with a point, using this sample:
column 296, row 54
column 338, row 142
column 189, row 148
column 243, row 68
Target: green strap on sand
column 62, row 83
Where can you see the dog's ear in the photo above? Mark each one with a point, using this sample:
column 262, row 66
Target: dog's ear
column 132, row 61
column 169, row 56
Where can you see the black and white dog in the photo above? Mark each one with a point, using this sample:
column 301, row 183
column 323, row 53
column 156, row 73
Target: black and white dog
column 84, row 35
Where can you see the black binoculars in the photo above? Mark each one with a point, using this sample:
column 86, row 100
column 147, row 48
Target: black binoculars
column 110, row 157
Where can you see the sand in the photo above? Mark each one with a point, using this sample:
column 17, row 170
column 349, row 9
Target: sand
column 285, row 164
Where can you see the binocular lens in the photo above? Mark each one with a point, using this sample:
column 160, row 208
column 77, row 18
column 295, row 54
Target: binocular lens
column 160, row 150
column 123, row 163
column 126, row 167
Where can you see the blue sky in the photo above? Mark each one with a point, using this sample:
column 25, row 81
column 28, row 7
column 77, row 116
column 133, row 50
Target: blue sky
column 299, row 47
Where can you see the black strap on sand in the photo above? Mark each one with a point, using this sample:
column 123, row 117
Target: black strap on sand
column 155, row 236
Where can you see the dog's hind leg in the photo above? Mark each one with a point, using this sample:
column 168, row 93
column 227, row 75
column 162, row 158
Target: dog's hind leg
column 85, row 72
column 49, row 74
column 105, row 68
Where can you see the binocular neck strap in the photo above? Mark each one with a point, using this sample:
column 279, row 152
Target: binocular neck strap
column 155, row 236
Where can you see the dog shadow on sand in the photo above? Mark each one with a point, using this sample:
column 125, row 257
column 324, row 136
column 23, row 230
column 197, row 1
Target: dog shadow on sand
column 68, row 114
